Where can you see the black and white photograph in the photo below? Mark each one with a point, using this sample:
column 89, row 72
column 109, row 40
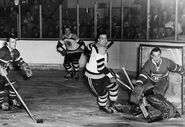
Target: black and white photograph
column 92, row 63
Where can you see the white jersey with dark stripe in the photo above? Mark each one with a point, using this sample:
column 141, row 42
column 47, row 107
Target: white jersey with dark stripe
column 155, row 72
column 96, row 66
column 70, row 43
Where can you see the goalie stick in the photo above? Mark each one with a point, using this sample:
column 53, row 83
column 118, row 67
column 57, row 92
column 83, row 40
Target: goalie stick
column 141, row 104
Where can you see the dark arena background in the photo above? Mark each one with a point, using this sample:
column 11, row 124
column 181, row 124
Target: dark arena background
column 135, row 26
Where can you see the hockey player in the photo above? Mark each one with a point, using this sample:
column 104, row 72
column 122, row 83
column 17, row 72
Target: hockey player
column 10, row 55
column 99, row 77
column 71, row 47
column 153, row 82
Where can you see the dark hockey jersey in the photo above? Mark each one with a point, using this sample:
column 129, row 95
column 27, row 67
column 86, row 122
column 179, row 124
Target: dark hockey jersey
column 7, row 57
column 155, row 72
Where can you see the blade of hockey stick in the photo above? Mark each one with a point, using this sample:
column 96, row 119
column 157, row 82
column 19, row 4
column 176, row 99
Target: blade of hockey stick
column 21, row 100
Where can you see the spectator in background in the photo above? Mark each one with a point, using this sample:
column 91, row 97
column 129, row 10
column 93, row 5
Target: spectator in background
column 12, row 32
column 3, row 33
column 24, row 32
column 170, row 26
column 154, row 23
column 35, row 33
column 164, row 18
column 34, row 10
column 13, row 18
column 28, row 21
column 24, row 7
column 50, row 28
column 2, row 12
column 11, row 8
column 182, row 21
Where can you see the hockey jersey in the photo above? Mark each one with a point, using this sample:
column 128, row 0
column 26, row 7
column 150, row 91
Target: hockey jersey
column 96, row 66
column 70, row 43
column 155, row 72
column 7, row 57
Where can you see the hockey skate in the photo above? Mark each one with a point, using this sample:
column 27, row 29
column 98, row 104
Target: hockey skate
column 69, row 75
column 16, row 103
column 5, row 106
column 76, row 75
column 106, row 109
column 151, row 119
column 177, row 115
column 135, row 110
column 117, row 107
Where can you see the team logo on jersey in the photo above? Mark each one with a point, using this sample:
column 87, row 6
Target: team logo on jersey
column 156, row 77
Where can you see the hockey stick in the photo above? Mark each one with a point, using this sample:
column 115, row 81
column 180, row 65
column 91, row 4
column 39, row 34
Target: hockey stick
column 122, row 83
column 141, row 104
column 21, row 100
column 128, row 77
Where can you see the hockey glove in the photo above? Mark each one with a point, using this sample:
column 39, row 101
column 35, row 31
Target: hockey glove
column 63, row 53
column 27, row 70
column 3, row 71
column 113, row 73
column 113, row 80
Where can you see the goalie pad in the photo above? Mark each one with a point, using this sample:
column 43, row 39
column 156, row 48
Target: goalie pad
column 167, row 109
column 136, row 94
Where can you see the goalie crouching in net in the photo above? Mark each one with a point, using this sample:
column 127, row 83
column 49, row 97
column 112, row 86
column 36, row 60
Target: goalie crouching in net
column 10, row 55
column 153, row 82
column 99, row 77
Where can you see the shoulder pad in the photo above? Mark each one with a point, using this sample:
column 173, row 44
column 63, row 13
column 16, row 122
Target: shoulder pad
column 63, row 37
column 16, row 53
column 74, row 36
column 3, row 51
column 102, row 50
column 60, row 41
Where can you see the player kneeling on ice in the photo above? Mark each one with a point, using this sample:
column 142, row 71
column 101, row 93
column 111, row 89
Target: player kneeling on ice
column 99, row 77
column 10, row 55
column 152, row 84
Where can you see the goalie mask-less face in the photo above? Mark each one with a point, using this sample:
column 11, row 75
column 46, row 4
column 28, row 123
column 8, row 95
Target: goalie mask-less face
column 156, row 57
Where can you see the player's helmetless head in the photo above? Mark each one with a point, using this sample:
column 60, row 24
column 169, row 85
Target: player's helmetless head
column 11, row 43
column 67, row 31
column 156, row 55
column 102, row 39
